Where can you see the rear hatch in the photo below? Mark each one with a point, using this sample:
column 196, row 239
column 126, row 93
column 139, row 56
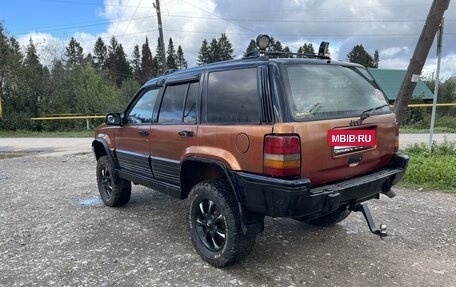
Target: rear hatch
column 328, row 99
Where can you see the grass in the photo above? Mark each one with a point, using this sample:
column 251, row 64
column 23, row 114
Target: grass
column 413, row 130
column 443, row 124
column 65, row 134
column 433, row 169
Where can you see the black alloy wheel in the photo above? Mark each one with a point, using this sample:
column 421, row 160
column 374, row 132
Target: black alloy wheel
column 106, row 181
column 215, row 224
column 114, row 191
column 210, row 225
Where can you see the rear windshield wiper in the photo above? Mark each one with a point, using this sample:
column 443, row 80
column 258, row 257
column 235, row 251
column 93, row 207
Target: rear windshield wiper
column 313, row 108
column 367, row 113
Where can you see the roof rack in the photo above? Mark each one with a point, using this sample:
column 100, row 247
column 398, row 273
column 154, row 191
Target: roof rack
column 254, row 54
column 264, row 41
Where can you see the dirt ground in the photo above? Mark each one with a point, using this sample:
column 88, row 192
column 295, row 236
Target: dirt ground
column 54, row 231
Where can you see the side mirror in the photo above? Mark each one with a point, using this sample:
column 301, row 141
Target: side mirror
column 113, row 119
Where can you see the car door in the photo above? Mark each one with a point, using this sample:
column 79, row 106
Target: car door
column 175, row 130
column 132, row 139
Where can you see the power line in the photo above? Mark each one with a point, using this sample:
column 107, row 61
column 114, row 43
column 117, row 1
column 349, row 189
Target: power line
column 301, row 21
column 57, row 28
column 123, row 13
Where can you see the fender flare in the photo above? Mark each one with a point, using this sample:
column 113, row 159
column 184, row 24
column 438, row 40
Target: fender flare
column 109, row 152
column 251, row 223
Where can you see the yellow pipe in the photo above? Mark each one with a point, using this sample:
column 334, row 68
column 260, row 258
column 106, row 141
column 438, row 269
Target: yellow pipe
column 430, row 105
column 67, row 118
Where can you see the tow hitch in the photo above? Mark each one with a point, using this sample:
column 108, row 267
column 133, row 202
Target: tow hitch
column 362, row 207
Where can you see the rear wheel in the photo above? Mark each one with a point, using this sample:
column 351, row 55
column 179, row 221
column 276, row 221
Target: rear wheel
column 114, row 191
column 215, row 226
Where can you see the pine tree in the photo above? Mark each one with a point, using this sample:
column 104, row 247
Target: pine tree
column 74, row 53
column 180, row 60
column 11, row 79
column 214, row 51
column 306, row 49
column 123, row 65
column 119, row 68
column 5, row 54
column 136, row 63
column 376, row 60
column 111, row 61
column 100, row 54
column 32, row 60
column 275, row 46
column 35, row 80
column 171, row 55
column 225, row 48
column 251, row 48
column 89, row 59
column 286, row 50
column 148, row 63
column 359, row 55
column 204, row 54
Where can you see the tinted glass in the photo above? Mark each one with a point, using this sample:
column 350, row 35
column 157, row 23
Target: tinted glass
column 319, row 91
column 172, row 106
column 141, row 113
column 190, row 105
column 233, row 96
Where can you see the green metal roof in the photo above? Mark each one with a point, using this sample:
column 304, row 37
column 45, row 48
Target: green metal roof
column 390, row 81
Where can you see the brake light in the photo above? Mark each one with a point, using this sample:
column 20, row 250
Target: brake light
column 396, row 138
column 282, row 155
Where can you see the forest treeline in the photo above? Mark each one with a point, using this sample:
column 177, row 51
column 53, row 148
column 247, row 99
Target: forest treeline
column 103, row 79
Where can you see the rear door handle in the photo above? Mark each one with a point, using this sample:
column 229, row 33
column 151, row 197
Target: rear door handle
column 143, row 133
column 185, row 133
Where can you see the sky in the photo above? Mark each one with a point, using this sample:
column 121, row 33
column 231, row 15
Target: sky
column 392, row 27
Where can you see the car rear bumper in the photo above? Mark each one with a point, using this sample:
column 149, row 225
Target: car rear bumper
column 295, row 198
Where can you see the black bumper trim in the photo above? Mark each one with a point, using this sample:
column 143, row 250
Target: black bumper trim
column 295, row 198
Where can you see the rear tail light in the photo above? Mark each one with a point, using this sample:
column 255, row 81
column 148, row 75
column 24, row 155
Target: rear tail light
column 396, row 137
column 282, row 155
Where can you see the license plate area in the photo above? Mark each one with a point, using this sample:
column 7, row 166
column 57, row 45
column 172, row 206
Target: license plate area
column 346, row 141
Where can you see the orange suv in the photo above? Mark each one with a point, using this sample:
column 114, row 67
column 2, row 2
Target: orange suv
column 266, row 135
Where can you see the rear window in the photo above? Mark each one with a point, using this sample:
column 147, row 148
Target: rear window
column 327, row 91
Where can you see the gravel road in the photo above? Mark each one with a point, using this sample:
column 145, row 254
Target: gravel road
column 56, row 232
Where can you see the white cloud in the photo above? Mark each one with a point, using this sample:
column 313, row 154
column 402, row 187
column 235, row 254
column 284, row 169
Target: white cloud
column 47, row 46
column 390, row 27
column 393, row 51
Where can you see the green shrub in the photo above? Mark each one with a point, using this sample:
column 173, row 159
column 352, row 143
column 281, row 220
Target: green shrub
column 432, row 169
column 443, row 124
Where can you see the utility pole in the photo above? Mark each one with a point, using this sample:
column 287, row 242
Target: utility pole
column 433, row 20
column 160, row 32
column 437, row 81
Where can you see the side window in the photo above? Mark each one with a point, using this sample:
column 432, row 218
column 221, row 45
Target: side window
column 233, row 96
column 172, row 105
column 141, row 113
column 190, row 104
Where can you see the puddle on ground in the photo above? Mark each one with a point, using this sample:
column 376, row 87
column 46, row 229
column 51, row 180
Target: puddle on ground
column 12, row 154
column 349, row 229
column 90, row 201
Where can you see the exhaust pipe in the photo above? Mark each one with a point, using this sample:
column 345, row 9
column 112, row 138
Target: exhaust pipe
column 386, row 188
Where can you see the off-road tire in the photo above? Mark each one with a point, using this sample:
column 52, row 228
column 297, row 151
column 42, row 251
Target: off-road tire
column 215, row 224
column 328, row 219
column 114, row 191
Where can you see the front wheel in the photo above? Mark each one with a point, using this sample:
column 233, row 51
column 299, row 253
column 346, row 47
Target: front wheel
column 114, row 191
column 215, row 226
